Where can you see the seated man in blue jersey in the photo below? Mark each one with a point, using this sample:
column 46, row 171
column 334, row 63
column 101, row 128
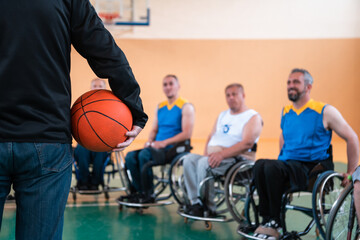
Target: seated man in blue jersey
column 307, row 127
column 173, row 123
column 233, row 136
column 83, row 157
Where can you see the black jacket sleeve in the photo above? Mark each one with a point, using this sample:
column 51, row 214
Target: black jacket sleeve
column 95, row 43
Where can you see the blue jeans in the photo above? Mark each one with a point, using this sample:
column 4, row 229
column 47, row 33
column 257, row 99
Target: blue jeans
column 41, row 177
column 135, row 161
column 84, row 157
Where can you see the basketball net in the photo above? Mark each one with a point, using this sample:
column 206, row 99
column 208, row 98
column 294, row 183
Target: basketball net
column 108, row 17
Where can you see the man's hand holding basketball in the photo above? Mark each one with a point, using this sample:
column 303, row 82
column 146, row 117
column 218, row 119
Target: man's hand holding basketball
column 131, row 136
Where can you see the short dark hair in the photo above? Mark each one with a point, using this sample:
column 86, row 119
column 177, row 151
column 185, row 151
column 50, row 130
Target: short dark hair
column 172, row 76
column 307, row 76
column 238, row 85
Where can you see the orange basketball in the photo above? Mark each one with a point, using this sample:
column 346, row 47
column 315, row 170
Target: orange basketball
column 100, row 120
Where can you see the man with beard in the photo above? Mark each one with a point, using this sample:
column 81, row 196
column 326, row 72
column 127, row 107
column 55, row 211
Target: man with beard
column 306, row 136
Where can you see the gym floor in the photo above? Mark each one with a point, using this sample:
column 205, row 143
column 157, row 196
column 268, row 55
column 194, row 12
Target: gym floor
column 92, row 217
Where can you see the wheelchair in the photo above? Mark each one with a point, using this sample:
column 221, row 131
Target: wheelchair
column 111, row 168
column 230, row 191
column 324, row 187
column 342, row 221
column 161, row 176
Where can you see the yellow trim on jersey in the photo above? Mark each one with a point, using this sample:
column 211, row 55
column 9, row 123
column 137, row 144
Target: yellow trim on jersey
column 314, row 105
column 178, row 102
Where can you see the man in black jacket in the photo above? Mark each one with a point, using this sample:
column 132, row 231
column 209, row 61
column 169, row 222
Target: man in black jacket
column 35, row 97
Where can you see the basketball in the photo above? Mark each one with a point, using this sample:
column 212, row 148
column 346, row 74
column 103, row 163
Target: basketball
column 99, row 120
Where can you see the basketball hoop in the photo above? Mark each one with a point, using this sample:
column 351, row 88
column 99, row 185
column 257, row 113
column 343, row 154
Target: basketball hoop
column 115, row 13
column 108, row 18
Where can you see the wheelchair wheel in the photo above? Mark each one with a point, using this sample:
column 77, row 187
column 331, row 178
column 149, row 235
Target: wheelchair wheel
column 218, row 198
column 107, row 196
column 120, row 164
column 176, row 181
column 342, row 222
column 251, row 209
column 326, row 191
column 219, row 195
column 161, row 179
column 236, row 186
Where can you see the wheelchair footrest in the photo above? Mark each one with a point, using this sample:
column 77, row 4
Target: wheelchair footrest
column 114, row 189
column 218, row 218
column 290, row 236
column 144, row 205
column 247, row 231
column 89, row 192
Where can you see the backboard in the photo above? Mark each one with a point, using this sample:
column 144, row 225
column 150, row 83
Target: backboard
column 123, row 12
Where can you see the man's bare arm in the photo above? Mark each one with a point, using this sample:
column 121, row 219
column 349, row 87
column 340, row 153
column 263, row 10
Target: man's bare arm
column 334, row 120
column 153, row 130
column 251, row 132
column 187, row 125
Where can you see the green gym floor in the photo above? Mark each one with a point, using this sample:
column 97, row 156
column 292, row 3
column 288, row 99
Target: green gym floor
column 92, row 217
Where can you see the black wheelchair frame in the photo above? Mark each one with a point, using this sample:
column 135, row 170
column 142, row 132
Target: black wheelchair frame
column 161, row 182
column 111, row 168
column 324, row 193
column 230, row 188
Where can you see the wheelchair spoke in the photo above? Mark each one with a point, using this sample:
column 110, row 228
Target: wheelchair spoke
column 342, row 223
column 326, row 191
column 236, row 189
column 176, row 182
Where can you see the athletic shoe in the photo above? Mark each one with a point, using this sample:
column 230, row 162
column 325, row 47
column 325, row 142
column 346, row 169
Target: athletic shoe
column 147, row 199
column 82, row 187
column 93, row 187
column 270, row 230
column 211, row 214
column 131, row 198
column 196, row 210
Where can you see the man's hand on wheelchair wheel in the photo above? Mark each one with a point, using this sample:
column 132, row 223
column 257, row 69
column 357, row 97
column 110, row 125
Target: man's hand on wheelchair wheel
column 347, row 179
column 131, row 136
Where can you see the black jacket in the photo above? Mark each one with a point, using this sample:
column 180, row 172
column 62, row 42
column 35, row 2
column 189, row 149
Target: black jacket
column 35, row 89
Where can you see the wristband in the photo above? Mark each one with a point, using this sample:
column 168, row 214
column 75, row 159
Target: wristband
column 349, row 177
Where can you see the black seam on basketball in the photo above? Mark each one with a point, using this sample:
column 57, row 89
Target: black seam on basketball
column 77, row 125
column 88, row 96
column 101, row 100
column 84, row 113
column 114, row 100
column 77, row 130
column 109, row 117
column 96, row 91
column 95, row 131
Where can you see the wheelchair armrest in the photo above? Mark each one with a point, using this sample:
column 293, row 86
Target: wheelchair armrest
column 178, row 148
column 319, row 168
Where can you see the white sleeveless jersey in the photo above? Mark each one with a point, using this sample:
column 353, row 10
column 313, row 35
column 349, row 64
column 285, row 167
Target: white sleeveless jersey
column 229, row 128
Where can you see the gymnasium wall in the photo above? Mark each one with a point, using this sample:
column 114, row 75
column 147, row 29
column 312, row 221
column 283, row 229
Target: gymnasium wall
column 209, row 44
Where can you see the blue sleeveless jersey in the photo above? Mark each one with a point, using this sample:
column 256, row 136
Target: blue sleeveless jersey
column 169, row 119
column 305, row 138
